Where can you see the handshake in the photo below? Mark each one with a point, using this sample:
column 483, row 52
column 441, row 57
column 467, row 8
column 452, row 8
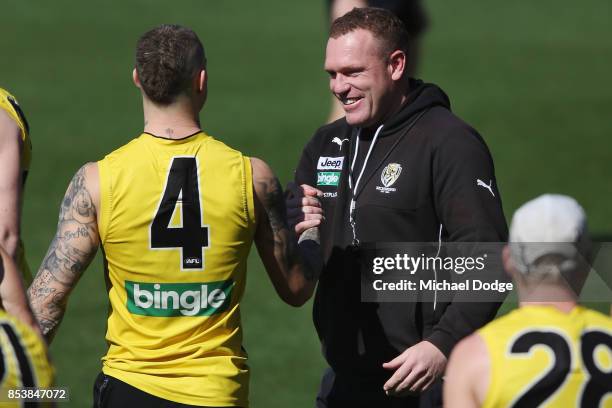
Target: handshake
column 304, row 211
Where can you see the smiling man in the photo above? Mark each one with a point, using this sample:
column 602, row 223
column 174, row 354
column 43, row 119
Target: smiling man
column 399, row 167
column 411, row 12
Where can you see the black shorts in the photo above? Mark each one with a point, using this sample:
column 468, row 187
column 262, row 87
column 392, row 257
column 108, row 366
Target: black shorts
column 110, row 392
column 354, row 392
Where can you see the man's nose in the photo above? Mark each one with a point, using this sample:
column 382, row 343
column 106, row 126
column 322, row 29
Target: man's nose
column 339, row 85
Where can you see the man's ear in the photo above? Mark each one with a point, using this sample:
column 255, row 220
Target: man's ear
column 135, row 78
column 202, row 79
column 397, row 64
column 509, row 264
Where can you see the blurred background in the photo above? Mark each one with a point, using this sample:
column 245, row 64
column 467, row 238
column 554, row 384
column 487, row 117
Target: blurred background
column 532, row 77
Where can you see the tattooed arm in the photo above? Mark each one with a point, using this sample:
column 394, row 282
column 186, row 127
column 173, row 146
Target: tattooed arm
column 72, row 249
column 293, row 268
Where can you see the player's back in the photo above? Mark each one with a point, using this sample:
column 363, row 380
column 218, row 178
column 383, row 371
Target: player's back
column 9, row 104
column 23, row 359
column 541, row 356
column 176, row 223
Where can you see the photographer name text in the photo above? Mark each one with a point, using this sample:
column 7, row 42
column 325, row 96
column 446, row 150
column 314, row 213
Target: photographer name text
column 443, row 285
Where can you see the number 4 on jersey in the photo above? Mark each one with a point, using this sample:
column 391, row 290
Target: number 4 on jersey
column 182, row 187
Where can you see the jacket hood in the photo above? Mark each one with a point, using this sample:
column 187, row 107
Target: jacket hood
column 422, row 96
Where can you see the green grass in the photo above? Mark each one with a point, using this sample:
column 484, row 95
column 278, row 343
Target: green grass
column 532, row 77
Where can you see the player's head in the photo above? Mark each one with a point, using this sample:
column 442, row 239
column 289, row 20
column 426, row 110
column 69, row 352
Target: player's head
column 366, row 58
column 549, row 244
column 170, row 64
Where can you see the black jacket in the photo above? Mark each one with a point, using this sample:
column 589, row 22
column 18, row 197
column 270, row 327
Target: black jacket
column 441, row 159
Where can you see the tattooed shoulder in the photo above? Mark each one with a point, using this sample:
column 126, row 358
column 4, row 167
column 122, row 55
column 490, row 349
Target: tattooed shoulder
column 78, row 200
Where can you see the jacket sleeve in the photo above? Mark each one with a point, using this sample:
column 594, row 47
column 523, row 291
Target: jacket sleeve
column 469, row 208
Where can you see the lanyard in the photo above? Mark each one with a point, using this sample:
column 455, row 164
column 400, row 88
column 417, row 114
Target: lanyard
column 352, row 189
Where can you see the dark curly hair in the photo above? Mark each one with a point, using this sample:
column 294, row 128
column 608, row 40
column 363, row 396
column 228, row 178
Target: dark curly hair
column 167, row 58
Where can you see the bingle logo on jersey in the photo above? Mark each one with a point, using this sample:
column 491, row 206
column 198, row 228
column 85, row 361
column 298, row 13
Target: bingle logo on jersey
column 178, row 299
column 328, row 178
column 389, row 175
column 330, row 163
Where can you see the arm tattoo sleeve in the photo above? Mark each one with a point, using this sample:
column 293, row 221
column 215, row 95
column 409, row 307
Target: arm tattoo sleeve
column 274, row 205
column 72, row 249
column 285, row 245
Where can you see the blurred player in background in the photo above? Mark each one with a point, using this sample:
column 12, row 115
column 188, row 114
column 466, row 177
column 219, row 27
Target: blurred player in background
column 549, row 352
column 411, row 12
column 23, row 354
column 176, row 212
column 15, row 156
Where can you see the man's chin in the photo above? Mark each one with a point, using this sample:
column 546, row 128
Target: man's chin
column 355, row 120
